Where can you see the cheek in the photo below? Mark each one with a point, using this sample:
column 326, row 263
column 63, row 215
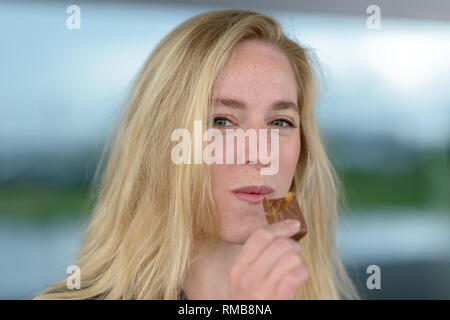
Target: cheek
column 222, row 178
column 289, row 156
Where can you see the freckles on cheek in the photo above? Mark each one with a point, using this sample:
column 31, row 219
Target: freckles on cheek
column 223, row 179
column 289, row 157
column 223, row 173
column 217, row 173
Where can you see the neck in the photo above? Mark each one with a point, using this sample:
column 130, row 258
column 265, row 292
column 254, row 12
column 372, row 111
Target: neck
column 207, row 277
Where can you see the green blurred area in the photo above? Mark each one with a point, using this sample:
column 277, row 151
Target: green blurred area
column 426, row 186
column 40, row 201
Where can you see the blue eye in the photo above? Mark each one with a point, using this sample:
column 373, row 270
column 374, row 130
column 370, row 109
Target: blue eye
column 221, row 121
column 283, row 121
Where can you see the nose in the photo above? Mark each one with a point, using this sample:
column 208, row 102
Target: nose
column 259, row 154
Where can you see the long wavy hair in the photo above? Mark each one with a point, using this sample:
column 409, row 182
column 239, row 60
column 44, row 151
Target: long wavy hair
column 147, row 211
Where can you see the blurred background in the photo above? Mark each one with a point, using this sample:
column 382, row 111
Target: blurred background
column 383, row 109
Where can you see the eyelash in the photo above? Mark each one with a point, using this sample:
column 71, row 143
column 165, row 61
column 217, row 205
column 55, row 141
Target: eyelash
column 290, row 124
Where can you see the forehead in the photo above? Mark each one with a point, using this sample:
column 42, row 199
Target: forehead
column 257, row 72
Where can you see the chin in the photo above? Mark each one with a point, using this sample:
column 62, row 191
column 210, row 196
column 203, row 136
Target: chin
column 239, row 233
column 235, row 239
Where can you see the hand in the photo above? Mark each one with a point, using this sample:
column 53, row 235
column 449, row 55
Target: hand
column 269, row 267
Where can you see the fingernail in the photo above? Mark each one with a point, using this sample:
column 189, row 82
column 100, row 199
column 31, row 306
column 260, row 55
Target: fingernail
column 292, row 224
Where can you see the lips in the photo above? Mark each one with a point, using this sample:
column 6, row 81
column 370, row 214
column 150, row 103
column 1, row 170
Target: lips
column 252, row 194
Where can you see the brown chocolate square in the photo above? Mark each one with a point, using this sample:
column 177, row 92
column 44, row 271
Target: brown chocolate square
column 285, row 208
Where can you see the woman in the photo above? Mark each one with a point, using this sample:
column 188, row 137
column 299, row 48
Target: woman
column 165, row 230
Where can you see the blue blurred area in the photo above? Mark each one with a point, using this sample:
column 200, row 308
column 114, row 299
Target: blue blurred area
column 383, row 108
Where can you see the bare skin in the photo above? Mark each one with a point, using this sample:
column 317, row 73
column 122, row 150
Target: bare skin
column 267, row 267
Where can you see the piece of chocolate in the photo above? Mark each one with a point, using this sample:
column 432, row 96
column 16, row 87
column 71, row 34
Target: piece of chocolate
column 285, row 208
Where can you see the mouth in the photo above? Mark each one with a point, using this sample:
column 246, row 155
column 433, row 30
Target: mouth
column 252, row 194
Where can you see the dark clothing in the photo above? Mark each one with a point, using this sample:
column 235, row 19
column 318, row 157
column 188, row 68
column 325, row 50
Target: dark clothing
column 183, row 295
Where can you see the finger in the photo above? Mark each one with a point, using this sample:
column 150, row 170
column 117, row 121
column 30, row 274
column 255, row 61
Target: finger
column 290, row 283
column 271, row 256
column 261, row 238
column 287, row 263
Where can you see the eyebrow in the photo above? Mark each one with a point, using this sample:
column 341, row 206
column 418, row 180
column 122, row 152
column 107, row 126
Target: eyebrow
column 238, row 104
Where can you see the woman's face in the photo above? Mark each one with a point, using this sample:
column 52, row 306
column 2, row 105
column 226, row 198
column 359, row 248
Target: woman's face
column 258, row 75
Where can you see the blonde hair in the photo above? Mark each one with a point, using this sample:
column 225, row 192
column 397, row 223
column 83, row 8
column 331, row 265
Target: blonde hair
column 148, row 211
